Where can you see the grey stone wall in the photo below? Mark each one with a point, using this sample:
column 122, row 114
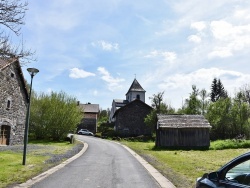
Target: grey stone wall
column 130, row 119
column 12, row 90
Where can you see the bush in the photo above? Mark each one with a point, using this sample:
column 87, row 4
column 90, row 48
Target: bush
column 229, row 144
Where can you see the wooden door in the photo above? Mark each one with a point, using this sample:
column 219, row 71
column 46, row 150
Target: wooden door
column 4, row 135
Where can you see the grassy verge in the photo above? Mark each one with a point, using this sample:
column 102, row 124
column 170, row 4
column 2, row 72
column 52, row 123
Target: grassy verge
column 182, row 167
column 13, row 172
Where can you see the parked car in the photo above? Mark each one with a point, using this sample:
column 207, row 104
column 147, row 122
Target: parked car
column 85, row 132
column 236, row 173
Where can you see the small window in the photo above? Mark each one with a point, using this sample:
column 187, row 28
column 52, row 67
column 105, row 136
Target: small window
column 12, row 75
column 8, row 104
column 138, row 97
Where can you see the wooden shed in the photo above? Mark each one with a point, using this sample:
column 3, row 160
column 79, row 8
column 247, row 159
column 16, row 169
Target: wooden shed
column 182, row 131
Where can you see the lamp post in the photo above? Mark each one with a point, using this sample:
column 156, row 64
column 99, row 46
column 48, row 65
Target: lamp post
column 32, row 72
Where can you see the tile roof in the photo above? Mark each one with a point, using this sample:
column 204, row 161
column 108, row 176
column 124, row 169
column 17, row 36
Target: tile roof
column 182, row 121
column 135, row 86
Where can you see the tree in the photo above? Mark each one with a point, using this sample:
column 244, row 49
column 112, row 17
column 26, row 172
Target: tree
column 103, row 116
column 220, row 117
column 159, row 107
column 156, row 101
column 54, row 115
column 193, row 104
column 203, row 94
column 217, row 90
column 214, row 90
column 12, row 13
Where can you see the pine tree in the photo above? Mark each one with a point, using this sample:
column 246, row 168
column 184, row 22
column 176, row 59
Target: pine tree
column 214, row 90
column 217, row 90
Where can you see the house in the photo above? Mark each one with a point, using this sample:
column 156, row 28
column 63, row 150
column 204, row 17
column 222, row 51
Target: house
column 184, row 131
column 90, row 114
column 13, row 102
column 128, row 115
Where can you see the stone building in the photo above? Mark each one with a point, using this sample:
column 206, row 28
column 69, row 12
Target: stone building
column 90, row 114
column 13, row 102
column 128, row 115
column 129, row 119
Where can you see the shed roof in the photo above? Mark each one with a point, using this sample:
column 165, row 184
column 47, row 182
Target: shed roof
column 90, row 108
column 182, row 121
column 135, row 86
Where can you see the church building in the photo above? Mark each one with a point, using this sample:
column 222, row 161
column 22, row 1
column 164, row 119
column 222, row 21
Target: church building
column 128, row 115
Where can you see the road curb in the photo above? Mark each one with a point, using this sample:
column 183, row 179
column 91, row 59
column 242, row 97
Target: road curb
column 40, row 177
column 163, row 181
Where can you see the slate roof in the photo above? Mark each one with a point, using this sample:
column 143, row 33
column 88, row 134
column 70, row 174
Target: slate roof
column 134, row 101
column 90, row 108
column 182, row 121
column 135, row 86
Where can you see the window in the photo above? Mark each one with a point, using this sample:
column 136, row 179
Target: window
column 8, row 104
column 12, row 75
column 240, row 173
column 138, row 97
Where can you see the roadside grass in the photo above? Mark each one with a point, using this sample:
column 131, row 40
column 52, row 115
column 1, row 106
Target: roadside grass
column 13, row 172
column 182, row 167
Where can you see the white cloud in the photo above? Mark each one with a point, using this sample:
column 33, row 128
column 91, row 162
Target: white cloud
column 177, row 87
column 203, row 78
column 106, row 46
column 199, row 26
column 166, row 55
column 79, row 73
column 229, row 38
column 221, row 52
column 113, row 83
column 194, row 38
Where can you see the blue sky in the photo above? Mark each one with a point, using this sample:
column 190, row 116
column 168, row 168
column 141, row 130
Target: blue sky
column 92, row 50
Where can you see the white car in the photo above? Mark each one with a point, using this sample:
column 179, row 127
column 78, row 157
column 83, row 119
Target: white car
column 85, row 132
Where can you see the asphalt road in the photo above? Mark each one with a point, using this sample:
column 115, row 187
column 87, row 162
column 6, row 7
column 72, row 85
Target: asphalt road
column 105, row 164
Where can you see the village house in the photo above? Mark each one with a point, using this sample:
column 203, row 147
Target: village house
column 90, row 115
column 13, row 102
column 184, row 131
column 128, row 115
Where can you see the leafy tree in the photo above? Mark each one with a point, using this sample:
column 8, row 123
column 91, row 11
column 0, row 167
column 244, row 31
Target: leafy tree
column 220, row 118
column 12, row 13
column 103, row 116
column 54, row 115
column 159, row 107
column 193, row 103
column 204, row 103
column 240, row 114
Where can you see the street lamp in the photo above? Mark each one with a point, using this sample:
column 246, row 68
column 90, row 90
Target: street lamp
column 32, row 72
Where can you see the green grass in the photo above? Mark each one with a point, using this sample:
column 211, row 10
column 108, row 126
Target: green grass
column 182, row 167
column 12, row 171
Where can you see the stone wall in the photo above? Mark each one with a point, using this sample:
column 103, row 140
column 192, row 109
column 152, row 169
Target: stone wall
column 130, row 119
column 13, row 102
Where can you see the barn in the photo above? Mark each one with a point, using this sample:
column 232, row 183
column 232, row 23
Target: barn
column 182, row 131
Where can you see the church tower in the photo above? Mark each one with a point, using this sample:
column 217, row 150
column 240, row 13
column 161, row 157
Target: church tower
column 135, row 92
